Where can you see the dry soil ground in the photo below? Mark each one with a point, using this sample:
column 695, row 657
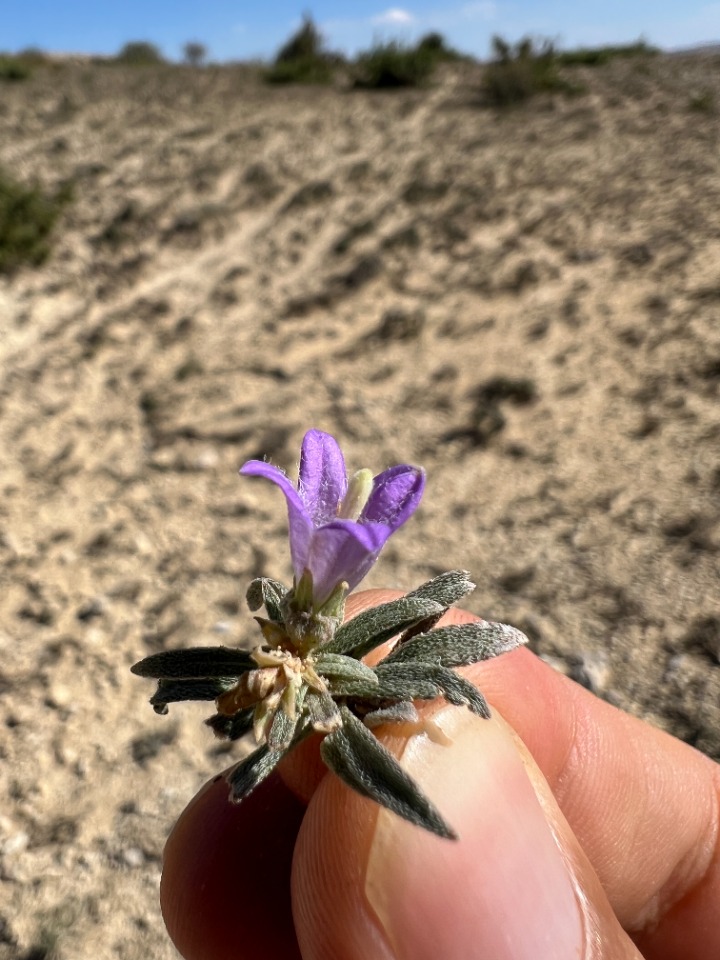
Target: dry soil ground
column 528, row 304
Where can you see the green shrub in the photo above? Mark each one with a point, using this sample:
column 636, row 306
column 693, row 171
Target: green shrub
column 27, row 217
column 34, row 57
column 307, row 42
column 13, row 68
column 140, row 53
column 306, row 70
column 194, row 53
column 702, row 102
column 598, row 56
column 434, row 43
column 302, row 59
column 391, row 65
column 519, row 71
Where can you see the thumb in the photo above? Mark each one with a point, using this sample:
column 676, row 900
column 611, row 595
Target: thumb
column 515, row 886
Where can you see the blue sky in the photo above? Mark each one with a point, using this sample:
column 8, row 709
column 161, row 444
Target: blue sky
column 240, row 30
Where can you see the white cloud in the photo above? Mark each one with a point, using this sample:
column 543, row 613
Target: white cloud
column 392, row 18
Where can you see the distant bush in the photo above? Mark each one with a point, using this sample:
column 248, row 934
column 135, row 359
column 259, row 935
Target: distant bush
column 306, row 42
column 303, row 58
column 34, row 57
column 140, row 53
column 194, row 53
column 521, row 70
column 14, row 68
column 598, row 56
column 435, row 44
column 27, row 217
column 702, row 102
column 391, row 65
column 308, row 70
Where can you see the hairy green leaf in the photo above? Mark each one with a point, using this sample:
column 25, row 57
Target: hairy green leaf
column 268, row 593
column 322, row 711
column 459, row 645
column 402, row 712
column 372, row 627
column 445, row 589
column 231, row 728
column 337, row 666
column 250, row 772
column 363, row 763
column 387, row 688
column 195, row 663
column 454, row 688
column 173, row 691
column 413, row 681
column 283, row 728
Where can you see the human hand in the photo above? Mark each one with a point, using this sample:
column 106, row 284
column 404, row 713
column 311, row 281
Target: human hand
column 584, row 834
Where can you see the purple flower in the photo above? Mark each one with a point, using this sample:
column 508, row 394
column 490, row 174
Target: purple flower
column 338, row 529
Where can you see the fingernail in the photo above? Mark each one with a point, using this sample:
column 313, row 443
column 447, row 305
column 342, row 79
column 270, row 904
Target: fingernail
column 504, row 890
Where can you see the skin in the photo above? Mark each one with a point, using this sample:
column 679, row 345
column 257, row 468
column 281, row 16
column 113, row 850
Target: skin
column 585, row 834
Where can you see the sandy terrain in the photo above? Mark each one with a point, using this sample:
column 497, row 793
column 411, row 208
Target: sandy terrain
column 528, row 305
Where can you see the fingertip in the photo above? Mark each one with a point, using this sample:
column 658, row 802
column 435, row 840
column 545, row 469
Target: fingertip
column 225, row 888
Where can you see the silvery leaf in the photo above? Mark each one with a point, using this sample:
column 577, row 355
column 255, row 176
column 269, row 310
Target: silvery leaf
column 231, row 728
column 459, row 645
column 337, row 666
column 445, row 589
column 364, row 764
column 372, row 627
column 402, row 712
column 251, row 771
column 447, row 683
column 173, row 691
column 323, row 713
column 195, row 663
column 387, row 688
column 268, row 593
column 283, row 728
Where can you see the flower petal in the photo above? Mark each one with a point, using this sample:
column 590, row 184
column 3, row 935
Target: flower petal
column 343, row 550
column 323, row 478
column 299, row 521
column 395, row 496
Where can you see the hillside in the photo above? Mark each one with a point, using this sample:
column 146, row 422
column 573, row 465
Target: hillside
column 527, row 303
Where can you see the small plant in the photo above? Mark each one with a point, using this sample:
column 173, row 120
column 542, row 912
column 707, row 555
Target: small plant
column 14, row 68
column 702, row 101
column 27, row 217
column 34, row 57
column 519, row 71
column 434, row 43
column 306, row 676
column 390, row 65
column 140, row 53
column 194, row 53
column 598, row 56
column 302, row 59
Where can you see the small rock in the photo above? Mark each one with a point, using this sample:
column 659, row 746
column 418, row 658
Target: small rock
column 591, row 671
column 207, row 459
column 133, row 857
column 16, row 843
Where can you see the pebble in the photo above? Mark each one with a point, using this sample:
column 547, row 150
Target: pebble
column 133, row 857
column 16, row 843
column 592, row 671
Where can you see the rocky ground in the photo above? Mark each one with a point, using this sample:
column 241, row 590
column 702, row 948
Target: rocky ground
column 526, row 303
